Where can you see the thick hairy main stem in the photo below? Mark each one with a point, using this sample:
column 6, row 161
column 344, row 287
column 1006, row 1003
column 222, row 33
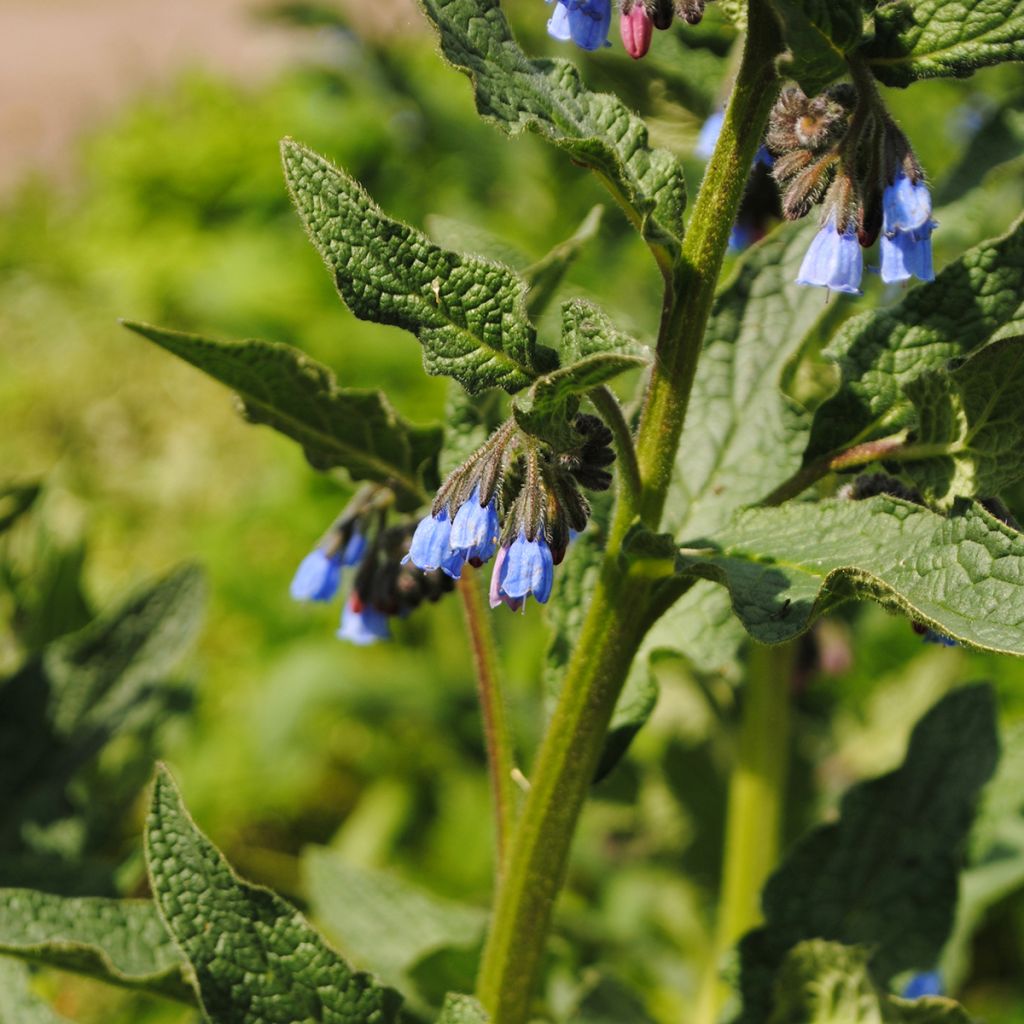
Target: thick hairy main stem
column 620, row 609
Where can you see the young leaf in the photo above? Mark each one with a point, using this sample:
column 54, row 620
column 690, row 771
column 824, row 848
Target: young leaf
column 829, row 983
column 973, row 301
column 974, row 419
column 121, row 942
column 819, row 34
column 588, row 331
column 962, row 575
column 18, row 1005
column 469, row 314
column 554, row 390
column 283, row 388
column 544, row 276
column 460, row 1009
column 885, row 874
column 255, row 957
column 916, row 39
column 548, row 97
column 383, row 923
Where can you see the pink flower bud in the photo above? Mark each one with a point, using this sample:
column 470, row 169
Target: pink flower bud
column 636, row 28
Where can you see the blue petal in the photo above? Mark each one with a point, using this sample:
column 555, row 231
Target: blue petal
column 558, row 23
column 933, row 636
column 833, row 261
column 924, row 983
column 589, row 21
column 528, row 569
column 363, row 627
column 708, row 136
column 317, row 577
column 906, row 205
column 475, row 529
column 907, row 254
column 354, row 549
column 430, row 548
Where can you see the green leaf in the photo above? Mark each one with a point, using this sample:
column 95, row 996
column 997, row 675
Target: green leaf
column 459, row 1009
column 18, row 1004
column 121, row 942
column 382, row 922
column 547, row 97
column 819, row 34
column 255, row 957
column 15, row 501
column 554, row 391
column 885, row 874
column 283, row 388
column 973, row 418
column 588, row 331
column 975, row 300
column 469, row 314
column 961, row 574
column 743, row 435
column 916, row 39
column 827, row 983
column 544, row 276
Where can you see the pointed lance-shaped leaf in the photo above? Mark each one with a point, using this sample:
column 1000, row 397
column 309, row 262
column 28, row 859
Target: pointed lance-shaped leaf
column 255, row 958
column 350, row 428
column 548, row 97
column 468, row 313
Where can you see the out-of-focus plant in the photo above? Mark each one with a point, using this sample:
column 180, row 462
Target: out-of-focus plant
column 744, row 493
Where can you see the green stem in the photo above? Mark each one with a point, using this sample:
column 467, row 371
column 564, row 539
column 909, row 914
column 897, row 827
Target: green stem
column 500, row 755
column 753, row 829
column 620, row 609
column 608, row 406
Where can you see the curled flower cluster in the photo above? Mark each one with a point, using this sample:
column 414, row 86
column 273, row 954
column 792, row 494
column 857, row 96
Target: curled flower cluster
column 586, row 22
column 383, row 587
column 844, row 151
column 519, row 500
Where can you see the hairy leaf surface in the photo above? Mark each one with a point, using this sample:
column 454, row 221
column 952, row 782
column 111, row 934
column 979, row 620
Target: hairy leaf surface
column 819, row 34
column 961, row 574
column 885, row 874
column 121, row 942
column 255, row 957
column 283, row 388
column 468, row 313
column 949, row 38
column 547, row 97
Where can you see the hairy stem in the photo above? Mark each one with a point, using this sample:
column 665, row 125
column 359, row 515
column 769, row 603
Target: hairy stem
column 500, row 755
column 753, row 828
column 620, row 610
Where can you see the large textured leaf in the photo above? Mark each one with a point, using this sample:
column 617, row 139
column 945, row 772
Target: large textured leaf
column 469, row 314
column 961, row 574
column 975, row 300
column 381, row 922
column 974, row 420
column 255, row 957
column 122, row 942
column 829, row 983
column 18, row 1005
column 547, row 97
column 928, row 38
column 885, row 874
column 742, row 434
column 819, row 34
column 283, row 388
column 460, row 1009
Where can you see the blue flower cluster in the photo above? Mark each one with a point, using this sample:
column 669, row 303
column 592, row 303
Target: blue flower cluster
column 522, row 567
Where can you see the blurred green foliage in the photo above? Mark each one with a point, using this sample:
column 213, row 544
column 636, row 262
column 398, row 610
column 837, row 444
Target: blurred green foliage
column 178, row 215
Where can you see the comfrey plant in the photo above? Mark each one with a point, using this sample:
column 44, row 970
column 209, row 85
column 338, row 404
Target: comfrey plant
column 736, row 516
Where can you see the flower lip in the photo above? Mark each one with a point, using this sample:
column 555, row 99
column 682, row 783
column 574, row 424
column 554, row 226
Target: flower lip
column 907, row 254
column 317, row 577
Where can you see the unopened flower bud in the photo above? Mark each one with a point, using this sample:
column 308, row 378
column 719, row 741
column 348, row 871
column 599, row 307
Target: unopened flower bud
column 636, row 28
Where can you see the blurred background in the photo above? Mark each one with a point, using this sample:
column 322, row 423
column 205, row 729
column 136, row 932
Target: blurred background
column 139, row 178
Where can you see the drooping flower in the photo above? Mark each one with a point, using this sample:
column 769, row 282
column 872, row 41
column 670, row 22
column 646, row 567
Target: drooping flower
column 584, row 22
column 906, row 245
column 834, row 260
column 317, row 577
column 362, row 624
column 523, row 567
column 475, row 529
column 924, row 983
column 636, row 29
column 497, row 596
column 431, row 546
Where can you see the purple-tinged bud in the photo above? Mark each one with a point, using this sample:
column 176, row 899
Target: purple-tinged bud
column 636, row 29
column 497, row 597
column 362, row 624
column 833, row 261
